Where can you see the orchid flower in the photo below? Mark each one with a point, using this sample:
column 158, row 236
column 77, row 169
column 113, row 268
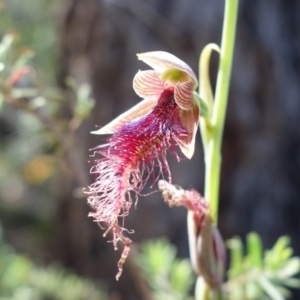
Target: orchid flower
column 168, row 116
column 169, row 73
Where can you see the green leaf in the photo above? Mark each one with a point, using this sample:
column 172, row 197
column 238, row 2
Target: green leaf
column 271, row 274
column 281, row 245
column 252, row 290
column 170, row 278
column 5, row 45
column 84, row 102
column 17, row 271
column 286, row 293
column 277, row 256
column 23, row 60
column 292, row 283
column 290, row 268
column 1, row 101
column 270, row 289
column 158, row 255
column 181, row 276
column 254, row 250
column 236, row 256
column 37, row 102
column 24, row 93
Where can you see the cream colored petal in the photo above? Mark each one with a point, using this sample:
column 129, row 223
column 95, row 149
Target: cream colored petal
column 189, row 119
column 135, row 112
column 148, row 84
column 160, row 61
column 183, row 94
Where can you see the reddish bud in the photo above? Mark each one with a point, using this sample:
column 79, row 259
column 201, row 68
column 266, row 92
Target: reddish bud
column 207, row 248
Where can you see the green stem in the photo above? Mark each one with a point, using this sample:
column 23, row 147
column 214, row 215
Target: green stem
column 213, row 146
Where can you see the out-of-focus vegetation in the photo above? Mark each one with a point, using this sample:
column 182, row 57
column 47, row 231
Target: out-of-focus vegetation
column 255, row 275
column 27, row 53
column 259, row 274
column 21, row 279
column 35, row 137
column 169, row 277
column 34, row 23
column 32, row 152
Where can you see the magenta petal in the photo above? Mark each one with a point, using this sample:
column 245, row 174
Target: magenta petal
column 148, row 84
column 189, row 120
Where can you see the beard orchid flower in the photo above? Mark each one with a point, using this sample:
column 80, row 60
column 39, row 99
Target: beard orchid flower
column 167, row 117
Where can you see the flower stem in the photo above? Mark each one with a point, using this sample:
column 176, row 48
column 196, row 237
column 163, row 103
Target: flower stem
column 213, row 146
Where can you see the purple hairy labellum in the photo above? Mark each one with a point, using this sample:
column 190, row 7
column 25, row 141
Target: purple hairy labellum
column 136, row 151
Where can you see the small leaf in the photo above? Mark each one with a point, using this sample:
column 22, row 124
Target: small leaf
column 254, row 249
column 181, row 276
column 252, row 290
column 236, row 256
column 5, row 45
column 291, row 267
column 280, row 252
column 159, row 255
column 23, row 60
column 170, row 278
column 83, row 92
column 281, row 244
column 37, row 102
column 17, row 93
column 284, row 291
column 84, row 103
column 270, row 289
column 71, row 83
column 292, row 283
column 1, row 101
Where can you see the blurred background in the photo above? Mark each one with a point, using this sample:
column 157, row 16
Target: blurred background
column 82, row 58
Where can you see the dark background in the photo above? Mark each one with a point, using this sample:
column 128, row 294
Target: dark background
column 96, row 42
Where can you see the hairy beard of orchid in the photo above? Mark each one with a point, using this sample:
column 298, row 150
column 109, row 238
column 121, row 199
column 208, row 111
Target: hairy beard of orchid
column 167, row 116
column 128, row 160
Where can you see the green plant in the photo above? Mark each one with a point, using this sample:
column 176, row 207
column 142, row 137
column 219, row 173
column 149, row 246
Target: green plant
column 261, row 274
column 169, row 277
column 21, row 279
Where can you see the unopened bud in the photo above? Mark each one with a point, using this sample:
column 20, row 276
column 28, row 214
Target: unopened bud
column 207, row 250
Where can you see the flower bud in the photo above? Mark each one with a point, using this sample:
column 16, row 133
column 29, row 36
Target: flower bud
column 207, row 250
